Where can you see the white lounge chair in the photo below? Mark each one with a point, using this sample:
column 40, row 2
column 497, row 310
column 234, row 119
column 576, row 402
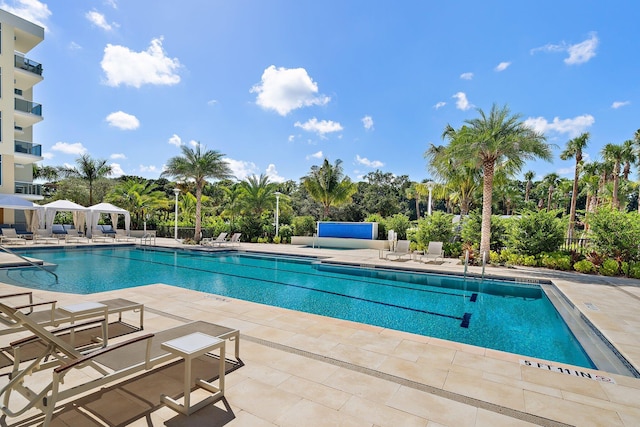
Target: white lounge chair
column 434, row 252
column 401, row 251
column 221, row 239
column 98, row 236
column 121, row 236
column 234, row 240
column 10, row 237
column 74, row 236
column 43, row 235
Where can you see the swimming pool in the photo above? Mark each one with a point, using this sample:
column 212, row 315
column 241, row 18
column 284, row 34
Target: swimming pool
column 516, row 318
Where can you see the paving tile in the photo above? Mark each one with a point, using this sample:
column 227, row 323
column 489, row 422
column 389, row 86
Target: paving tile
column 381, row 415
column 311, row 414
column 319, row 393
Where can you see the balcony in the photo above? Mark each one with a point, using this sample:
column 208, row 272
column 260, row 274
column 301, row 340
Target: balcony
column 27, row 113
column 27, row 152
column 27, row 72
column 28, row 188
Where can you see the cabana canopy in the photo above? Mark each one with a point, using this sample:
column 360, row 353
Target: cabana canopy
column 114, row 211
column 32, row 211
column 50, row 210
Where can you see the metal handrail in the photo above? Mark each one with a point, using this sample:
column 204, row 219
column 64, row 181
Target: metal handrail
column 9, row 251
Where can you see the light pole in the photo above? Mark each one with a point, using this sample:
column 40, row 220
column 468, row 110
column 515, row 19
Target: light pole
column 430, row 185
column 176, row 191
column 277, row 193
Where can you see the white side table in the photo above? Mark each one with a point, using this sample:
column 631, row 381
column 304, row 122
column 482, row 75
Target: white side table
column 189, row 347
column 86, row 310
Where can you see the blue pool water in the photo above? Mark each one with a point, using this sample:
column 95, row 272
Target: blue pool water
column 500, row 315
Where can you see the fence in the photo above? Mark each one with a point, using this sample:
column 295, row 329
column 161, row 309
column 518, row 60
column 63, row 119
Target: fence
column 576, row 244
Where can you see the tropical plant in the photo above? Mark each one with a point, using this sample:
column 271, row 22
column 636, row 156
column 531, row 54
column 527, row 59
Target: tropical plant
column 435, row 228
column 196, row 165
column 328, row 185
column 257, row 196
column 89, row 170
column 614, row 153
column 498, row 139
column 139, row 197
column 550, row 181
column 535, row 232
column 574, row 149
column 528, row 177
column 615, row 234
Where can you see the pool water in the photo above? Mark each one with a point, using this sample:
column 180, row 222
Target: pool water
column 499, row 315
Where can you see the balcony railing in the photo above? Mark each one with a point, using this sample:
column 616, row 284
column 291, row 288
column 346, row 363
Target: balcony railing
column 28, row 148
column 27, row 64
column 28, row 107
column 28, row 188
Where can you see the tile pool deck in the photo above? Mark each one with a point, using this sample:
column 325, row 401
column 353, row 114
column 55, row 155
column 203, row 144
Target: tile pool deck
column 307, row 370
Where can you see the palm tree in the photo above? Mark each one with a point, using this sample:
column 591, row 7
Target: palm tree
column 528, row 177
column 328, row 185
column 89, row 170
column 550, row 181
column 573, row 149
column 48, row 173
column 499, row 139
column 629, row 157
column 138, row 196
column 196, row 165
column 614, row 153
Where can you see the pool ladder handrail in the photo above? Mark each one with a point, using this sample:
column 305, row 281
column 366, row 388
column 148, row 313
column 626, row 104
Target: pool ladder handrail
column 466, row 262
column 10, row 252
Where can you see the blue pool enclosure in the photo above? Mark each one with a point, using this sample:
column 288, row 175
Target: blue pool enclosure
column 348, row 230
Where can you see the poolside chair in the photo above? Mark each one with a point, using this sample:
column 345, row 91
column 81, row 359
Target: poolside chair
column 401, row 251
column 98, row 236
column 121, row 236
column 234, row 240
column 10, row 237
column 58, row 231
column 44, row 236
column 21, row 230
column 99, row 367
column 434, row 253
column 107, row 229
column 221, row 239
column 74, row 236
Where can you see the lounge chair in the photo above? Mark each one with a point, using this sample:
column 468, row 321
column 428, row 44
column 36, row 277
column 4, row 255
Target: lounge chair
column 401, row 251
column 49, row 314
column 74, row 236
column 98, row 236
column 121, row 236
column 107, row 229
column 10, row 237
column 234, row 240
column 103, row 366
column 21, row 230
column 58, row 230
column 220, row 240
column 44, row 236
column 434, row 252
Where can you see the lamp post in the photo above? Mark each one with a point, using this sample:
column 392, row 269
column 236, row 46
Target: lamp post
column 430, row 185
column 277, row 193
column 176, row 191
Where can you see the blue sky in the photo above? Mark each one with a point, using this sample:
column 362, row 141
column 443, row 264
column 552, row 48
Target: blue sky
column 277, row 86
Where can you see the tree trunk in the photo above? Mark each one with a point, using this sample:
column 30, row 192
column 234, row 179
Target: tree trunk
column 616, row 185
column 487, row 194
column 417, row 208
column 196, row 235
column 574, row 198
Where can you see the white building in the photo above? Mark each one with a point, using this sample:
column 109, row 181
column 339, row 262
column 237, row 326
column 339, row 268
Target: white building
column 18, row 111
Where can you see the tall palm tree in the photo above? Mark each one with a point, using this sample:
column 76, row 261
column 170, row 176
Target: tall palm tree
column 328, row 185
column 574, row 149
column 48, row 173
column 257, row 194
column 89, row 170
column 614, row 154
column 550, row 181
column 629, row 157
column 196, row 165
column 528, row 178
column 497, row 139
column 138, row 196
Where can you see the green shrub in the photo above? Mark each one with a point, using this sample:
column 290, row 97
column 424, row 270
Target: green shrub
column 277, row 239
column 398, row 223
column 609, row 267
column 529, row 261
column 633, row 270
column 382, row 227
column 556, row 261
column 304, row 225
column 584, row 266
column 536, row 232
column 285, row 232
column 472, row 228
column 435, row 228
column 615, row 234
column 494, row 258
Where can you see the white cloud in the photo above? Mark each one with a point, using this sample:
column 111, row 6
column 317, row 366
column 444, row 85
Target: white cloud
column 272, row 173
column 98, row 19
column 241, row 169
column 502, row 66
column 31, row 10
column 150, row 168
column 618, row 104
column 462, row 102
column 367, row 122
column 124, row 66
column 195, row 144
column 286, row 89
column 112, row 3
column 571, row 127
column 123, row 121
column 116, row 170
column 369, row 163
column 321, row 127
column 48, row 155
column 175, row 140
column 466, row 76
column 317, row 155
column 212, row 102
column 439, row 105
column 579, row 53
column 74, row 46
column 291, row 138
column 68, row 148
column 117, row 156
